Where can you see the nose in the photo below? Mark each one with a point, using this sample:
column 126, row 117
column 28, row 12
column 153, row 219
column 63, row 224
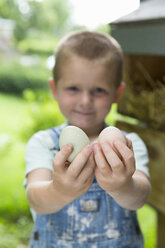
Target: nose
column 86, row 99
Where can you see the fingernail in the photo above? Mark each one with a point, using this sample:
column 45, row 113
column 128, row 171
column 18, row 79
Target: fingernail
column 95, row 146
column 69, row 147
column 105, row 144
column 88, row 148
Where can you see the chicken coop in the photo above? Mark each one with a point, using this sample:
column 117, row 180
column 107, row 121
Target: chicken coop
column 141, row 35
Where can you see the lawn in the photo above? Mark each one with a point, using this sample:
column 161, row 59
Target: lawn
column 15, row 221
column 13, row 112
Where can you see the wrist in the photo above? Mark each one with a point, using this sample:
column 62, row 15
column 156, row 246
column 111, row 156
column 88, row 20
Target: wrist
column 44, row 198
column 60, row 194
column 123, row 191
column 65, row 193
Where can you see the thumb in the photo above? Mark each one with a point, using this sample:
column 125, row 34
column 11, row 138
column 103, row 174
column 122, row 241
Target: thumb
column 60, row 160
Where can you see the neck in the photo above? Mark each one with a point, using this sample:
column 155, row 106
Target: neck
column 94, row 132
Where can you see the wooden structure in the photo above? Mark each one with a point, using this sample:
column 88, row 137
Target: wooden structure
column 141, row 35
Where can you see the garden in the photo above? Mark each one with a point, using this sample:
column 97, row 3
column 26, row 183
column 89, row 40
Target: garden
column 26, row 106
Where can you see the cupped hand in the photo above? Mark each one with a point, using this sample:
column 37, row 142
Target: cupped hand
column 73, row 179
column 115, row 166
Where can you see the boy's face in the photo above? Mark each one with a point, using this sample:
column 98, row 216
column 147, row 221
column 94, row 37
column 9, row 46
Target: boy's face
column 85, row 93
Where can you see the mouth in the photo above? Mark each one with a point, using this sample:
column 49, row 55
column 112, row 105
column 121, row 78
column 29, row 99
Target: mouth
column 84, row 113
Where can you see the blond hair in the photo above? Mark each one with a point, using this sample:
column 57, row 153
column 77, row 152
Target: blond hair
column 91, row 46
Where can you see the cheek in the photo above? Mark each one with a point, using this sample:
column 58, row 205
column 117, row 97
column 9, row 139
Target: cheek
column 66, row 103
column 105, row 104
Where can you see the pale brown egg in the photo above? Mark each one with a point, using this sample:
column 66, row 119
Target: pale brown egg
column 110, row 134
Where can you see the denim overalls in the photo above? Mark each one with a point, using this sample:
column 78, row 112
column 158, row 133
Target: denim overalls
column 94, row 220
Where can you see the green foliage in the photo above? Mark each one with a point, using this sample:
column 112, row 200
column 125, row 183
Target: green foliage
column 8, row 9
column 42, row 16
column 20, row 30
column 13, row 198
column 44, row 47
column 44, row 113
column 103, row 29
column 14, row 77
column 15, row 234
column 148, row 218
column 13, row 113
column 50, row 16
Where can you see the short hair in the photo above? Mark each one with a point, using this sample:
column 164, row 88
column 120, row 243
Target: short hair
column 92, row 46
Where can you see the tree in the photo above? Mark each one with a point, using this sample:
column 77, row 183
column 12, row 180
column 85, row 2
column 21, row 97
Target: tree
column 9, row 9
column 48, row 16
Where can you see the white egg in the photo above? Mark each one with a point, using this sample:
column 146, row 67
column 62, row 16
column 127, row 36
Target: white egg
column 109, row 134
column 75, row 136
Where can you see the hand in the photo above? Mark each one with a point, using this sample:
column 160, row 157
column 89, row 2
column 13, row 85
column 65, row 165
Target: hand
column 115, row 166
column 73, row 179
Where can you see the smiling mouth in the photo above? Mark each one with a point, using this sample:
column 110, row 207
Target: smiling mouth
column 83, row 113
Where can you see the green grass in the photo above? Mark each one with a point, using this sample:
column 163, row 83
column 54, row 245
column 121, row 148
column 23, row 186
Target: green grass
column 13, row 112
column 15, row 234
column 148, row 218
column 15, row 221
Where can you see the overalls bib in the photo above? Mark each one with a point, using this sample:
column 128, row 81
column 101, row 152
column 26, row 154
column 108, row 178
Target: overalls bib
column 94, row 220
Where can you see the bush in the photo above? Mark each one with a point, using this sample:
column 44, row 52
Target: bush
column 13, row 198
column 44, row 113
column 44, row 47
column 15, row 234
column 15, row 78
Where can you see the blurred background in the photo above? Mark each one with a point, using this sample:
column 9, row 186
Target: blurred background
column 29, row 33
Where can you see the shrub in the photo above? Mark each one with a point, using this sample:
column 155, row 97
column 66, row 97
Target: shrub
column 44, row 112
column 15, row 78
column 44, row 47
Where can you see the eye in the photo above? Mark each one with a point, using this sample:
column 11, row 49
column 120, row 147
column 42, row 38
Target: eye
column 99, row 91
column 73, row 89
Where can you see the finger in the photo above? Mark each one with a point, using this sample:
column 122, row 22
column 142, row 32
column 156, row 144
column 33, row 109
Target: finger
column 88, row 169
column 129, row 143
column 79, row 162
column 100, row 159
column 113, row 158
column 60, row 159
column 126, row 154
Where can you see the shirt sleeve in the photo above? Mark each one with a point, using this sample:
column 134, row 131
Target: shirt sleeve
column 140, row 152
column 39, row 152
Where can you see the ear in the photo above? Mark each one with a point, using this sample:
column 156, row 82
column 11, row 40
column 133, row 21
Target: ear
column 119, row 91
column 52, row 87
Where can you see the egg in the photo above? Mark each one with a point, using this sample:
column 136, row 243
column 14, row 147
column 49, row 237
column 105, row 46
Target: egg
column 109, row 134
column 75, row 136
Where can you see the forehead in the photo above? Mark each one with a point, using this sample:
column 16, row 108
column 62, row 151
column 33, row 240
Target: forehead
column 78, row 70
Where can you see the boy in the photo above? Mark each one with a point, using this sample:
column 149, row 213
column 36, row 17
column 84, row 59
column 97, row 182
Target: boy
column 90, row 202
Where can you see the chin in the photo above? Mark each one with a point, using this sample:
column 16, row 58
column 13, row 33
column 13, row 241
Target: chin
column 81, row 124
